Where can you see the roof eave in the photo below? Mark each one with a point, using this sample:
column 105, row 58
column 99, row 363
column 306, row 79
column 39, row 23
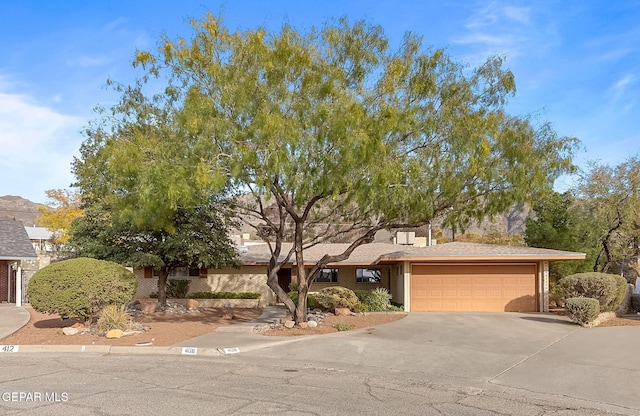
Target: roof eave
column 17, row 258
column 518, row 257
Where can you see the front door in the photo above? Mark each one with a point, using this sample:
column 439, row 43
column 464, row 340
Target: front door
column 284, row 280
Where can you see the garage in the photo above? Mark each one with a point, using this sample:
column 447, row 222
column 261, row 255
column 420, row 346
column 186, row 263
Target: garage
column 474, row 287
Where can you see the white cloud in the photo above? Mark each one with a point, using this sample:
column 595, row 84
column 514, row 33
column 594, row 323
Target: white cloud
column 519, row 14
column 116, row 24
column 496, row 28
column 88, row 61
column 38, row 144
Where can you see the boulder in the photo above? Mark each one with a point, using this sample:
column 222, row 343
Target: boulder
column 312, row 324
column 70, row 331
column 303, row 325
column 289, row 324
column 192, row 304
column 115, row 333
column 342, row 312
column 77, row 325
column 148, row 307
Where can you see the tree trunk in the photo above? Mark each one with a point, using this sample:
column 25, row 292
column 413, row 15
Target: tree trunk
column 163, row 275
column 272, row 282
column 300, row 314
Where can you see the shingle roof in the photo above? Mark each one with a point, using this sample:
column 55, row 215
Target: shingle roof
column 39, row 233
column 386, row 252
column 14, row 242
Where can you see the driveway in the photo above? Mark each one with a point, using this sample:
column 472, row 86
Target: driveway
column 539, row 353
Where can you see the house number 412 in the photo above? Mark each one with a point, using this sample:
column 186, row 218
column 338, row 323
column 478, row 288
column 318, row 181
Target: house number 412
column 9, row 348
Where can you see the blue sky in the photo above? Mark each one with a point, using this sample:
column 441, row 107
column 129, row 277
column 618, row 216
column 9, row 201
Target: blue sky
column 576, row 63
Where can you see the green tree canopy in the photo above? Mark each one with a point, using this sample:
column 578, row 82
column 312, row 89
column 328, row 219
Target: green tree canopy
column 559, row 222
column 331, row 130
column 149, row 195
column 611, row 198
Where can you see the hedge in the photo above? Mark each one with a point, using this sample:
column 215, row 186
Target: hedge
column 224, row 295
column 582, row 310
column 608, row 289
column 80, row 288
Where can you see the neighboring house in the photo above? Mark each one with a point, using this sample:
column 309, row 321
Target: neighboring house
column 46, row 250
column 15, row 250
column 446, row 277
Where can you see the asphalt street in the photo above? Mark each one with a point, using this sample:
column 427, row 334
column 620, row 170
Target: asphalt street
column 71, row 385
column 426, row 363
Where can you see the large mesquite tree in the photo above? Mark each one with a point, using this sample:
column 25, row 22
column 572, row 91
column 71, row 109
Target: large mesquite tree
column 610, row 197
column 331, row 131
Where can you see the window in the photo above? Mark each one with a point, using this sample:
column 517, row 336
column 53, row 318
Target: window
column 184, row 272
column 327, row 276
column 368, row 275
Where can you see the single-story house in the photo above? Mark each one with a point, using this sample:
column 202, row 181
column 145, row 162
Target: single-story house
column 15, row 248
column 446, row 277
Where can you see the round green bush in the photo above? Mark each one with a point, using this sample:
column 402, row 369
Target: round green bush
column 311, row 300
column 608, row 289
column 337, row 297
column 80, row 288
column 582, row 310
column 377, row 300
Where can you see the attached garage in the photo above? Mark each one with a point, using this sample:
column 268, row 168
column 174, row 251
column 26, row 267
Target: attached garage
column 503, row 287
column 449, row 277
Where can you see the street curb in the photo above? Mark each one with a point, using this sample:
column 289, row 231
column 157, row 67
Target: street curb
column 150, row 350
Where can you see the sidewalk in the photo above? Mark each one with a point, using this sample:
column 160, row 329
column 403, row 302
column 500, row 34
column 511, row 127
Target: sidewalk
column 225, row 340
column 12, row 318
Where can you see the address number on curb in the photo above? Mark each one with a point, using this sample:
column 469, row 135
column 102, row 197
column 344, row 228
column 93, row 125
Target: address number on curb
column 9, row 348
column 189, row 351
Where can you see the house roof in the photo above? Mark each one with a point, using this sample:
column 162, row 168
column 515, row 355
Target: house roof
column 374, row 253
column 38, row 233
column 14, row 242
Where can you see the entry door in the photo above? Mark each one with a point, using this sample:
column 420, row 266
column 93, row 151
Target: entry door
column 284, row 280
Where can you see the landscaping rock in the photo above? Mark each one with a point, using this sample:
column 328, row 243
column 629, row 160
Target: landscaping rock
column 342, row 312
column 303, row 325
column 192, row 304
column 312, row 324
column 77, row 325
column 70, row 331
column 130, row 333
column 289, row 324
column 114, row 333
column 228, row 315
column 148, row 307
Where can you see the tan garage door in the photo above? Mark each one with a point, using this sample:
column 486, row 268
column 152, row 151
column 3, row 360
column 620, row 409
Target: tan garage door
column 477, row 288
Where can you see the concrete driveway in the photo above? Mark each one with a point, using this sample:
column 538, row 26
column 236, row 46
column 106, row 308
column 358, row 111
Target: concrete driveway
column 539, row 353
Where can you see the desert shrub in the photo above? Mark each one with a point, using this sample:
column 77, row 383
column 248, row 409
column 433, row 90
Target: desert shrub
column 177, row 289
column 635, row 302
column 361, row 307
column 113, row 317
column 224, row 295
column 311, row 300
column 608, row 289
column 337, row 297
column 344, row 327
column 582, row 310
column 377, row 300
column 79, row 288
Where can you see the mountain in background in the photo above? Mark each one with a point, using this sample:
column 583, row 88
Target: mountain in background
column 19, row 209
column 513, row 222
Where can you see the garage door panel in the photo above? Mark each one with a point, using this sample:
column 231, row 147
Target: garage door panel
column 474, row 288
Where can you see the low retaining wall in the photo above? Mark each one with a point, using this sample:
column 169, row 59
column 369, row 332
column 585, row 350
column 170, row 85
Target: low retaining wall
column 219, row 303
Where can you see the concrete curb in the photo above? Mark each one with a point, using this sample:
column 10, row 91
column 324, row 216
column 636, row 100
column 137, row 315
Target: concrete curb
column 150, row 350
